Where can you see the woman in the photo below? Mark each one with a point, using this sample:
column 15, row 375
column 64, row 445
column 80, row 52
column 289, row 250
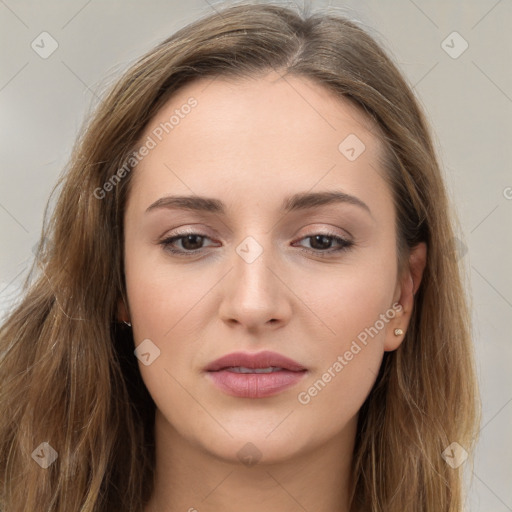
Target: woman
column 247, row 296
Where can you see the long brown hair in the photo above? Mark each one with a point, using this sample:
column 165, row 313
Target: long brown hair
column 67, row 370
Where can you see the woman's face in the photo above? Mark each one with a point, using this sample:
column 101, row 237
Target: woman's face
column 265, row 271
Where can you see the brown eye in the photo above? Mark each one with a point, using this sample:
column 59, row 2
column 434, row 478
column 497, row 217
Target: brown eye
column 321, row 241
column 321, row 244
column 191, row 243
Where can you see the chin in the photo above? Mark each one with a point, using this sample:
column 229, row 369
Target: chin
column 252, row 449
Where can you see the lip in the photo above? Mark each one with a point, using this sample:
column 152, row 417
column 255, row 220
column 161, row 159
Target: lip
column 255, row 385
column 255, row 360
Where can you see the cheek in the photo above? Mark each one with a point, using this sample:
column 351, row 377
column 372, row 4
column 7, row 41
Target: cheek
column 163, row 297
column 356, row 313
column 347, row 366
column 331, row 400
column 345, row 299
column 165, row 308
column 168, row 307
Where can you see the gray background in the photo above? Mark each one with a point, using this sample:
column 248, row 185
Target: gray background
column 468, row 100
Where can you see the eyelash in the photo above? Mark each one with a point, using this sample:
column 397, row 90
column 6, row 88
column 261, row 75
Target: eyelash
column 344, row 244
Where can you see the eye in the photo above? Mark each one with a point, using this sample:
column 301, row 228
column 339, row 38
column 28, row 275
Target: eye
column 321, row 244
column 191, row 244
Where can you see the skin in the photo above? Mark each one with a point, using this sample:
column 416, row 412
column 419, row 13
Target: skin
column 251, row 143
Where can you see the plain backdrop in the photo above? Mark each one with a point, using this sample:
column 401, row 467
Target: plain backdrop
column 463, row 80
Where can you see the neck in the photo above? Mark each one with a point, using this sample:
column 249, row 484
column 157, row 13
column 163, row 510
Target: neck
column 190, row 479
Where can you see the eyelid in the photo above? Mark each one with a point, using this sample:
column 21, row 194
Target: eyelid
column 321, row 229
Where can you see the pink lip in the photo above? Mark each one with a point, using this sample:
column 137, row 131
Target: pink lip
column 255, row 385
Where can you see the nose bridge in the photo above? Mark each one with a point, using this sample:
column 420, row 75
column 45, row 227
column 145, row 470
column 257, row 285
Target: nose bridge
column 254, row 282
column 254, row 294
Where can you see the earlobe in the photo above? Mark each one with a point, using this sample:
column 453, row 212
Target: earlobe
column 396, row 330
column 408, row 287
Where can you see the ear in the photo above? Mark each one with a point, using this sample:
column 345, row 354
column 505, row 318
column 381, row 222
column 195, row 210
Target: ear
column 406, row 288
column 122, row 311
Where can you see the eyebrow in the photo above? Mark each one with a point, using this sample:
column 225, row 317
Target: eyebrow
column 295, row 202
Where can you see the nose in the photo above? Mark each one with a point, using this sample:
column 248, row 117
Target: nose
column 254, row 293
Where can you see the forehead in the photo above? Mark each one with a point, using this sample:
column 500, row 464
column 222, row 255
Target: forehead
column 259, row 137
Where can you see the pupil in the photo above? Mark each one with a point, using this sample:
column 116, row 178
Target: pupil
column 326, row 240
column 188, row 238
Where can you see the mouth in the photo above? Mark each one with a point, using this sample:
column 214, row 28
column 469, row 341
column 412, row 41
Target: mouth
column 243, row 369
column 259, row 375
column 266, row 361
